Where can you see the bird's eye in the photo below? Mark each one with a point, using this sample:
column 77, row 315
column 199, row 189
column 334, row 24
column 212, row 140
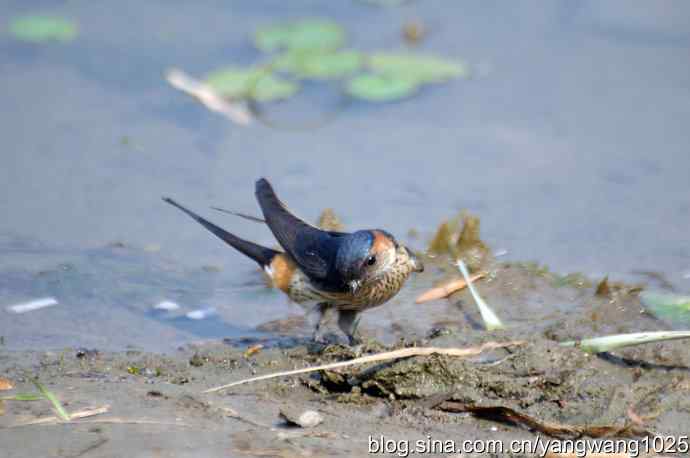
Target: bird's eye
column 371, row 260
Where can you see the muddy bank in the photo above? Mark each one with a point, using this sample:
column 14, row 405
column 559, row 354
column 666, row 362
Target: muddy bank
column 157, row 408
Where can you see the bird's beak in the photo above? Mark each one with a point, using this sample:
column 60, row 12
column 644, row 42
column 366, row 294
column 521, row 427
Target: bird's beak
column 417, row 263
column 354, row 285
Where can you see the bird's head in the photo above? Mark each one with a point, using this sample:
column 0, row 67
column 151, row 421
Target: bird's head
column 369, row 254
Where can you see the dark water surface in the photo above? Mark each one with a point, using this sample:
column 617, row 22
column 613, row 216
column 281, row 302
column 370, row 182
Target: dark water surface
column 571, row 144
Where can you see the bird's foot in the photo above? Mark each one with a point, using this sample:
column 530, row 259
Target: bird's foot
column 357, row 350
column 354, row 340
column 325, row 338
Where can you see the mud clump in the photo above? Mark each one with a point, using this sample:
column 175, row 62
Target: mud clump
column 542, row 380
column 615, row 290
column 528, row 376
column 329, row 221
column 603, row 288
column 420, row 377
column 459, row 238
column 470, row 247
column 197, row 360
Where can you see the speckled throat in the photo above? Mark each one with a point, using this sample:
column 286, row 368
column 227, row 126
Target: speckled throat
column 379, row 290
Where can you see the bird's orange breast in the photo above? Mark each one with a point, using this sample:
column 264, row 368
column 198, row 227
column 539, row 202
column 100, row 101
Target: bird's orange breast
column 282, row 270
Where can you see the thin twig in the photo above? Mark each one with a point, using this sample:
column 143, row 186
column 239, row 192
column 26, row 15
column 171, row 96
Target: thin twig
column 73, row 416
column 232, row 413
column 396, row 354
column 98, row 443
column 447, row 289
column 286, row 435
column 115, row 420
column 550, row 428
column 616, row 341
column 141, row 421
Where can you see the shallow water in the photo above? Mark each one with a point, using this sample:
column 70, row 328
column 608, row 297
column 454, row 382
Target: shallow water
column 570, row 144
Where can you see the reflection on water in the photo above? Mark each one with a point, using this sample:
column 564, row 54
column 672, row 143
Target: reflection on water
column 571, row 145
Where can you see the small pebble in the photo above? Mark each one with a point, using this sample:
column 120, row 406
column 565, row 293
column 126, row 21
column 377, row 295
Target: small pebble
column 304, row 419
column 32, row 305
column 152, row 248
column 86, row 353
column 166, row 305
column 200, row 314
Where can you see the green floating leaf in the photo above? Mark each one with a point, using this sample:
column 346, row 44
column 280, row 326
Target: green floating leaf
column 307, row 34
column 421, row 68
column 258, row 84
column 608, row 343
column 381, row 88
column 40, row 29
column 671, row 307
column 319, row 64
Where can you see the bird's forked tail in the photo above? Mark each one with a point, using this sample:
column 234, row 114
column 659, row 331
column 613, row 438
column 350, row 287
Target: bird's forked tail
column 258, row 253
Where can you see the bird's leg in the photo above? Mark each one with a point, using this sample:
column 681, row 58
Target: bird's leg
column 347, row 322
column 322, row 310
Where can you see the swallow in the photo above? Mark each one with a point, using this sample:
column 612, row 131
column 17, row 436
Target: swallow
column 323, row 270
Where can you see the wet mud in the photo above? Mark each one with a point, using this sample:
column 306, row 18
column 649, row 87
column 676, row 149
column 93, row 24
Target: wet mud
column 157, row 406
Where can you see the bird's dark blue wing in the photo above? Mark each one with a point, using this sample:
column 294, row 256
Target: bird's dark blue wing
column 313, row 249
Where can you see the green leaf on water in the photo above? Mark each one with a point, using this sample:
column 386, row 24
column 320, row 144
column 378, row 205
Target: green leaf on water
column 421, row 68
column 40, row 28
column 307, row 34
column 258, row 84
column 666, row 306
column 319, row 64
column 381, row 88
